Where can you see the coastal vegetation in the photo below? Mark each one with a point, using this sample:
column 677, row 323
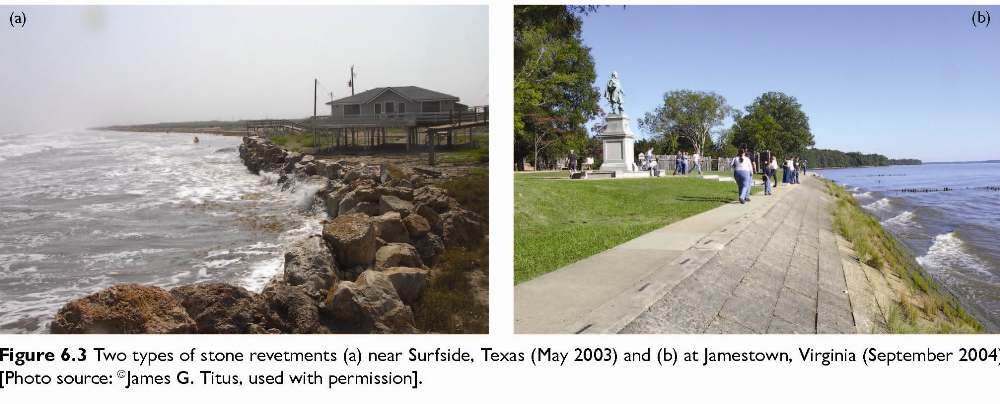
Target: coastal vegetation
column 218, row 127
column 921, row 305
column 557, row 221
column 827, row 158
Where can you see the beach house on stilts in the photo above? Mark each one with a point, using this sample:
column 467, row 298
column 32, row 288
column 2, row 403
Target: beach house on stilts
column 386, row 118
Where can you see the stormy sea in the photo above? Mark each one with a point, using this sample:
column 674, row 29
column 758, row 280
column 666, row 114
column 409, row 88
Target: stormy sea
column 82, row 210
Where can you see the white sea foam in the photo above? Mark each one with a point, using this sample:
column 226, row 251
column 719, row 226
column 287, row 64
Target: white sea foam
column 9, row 261
column 862, row 195
column 902, row 220
column 262, row 272
column 880, row 204
column 304, row 194
column 23, row 145
column 267, row 177
column 948, row 252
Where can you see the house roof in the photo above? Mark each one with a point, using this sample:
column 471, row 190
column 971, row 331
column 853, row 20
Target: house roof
column 412, row 93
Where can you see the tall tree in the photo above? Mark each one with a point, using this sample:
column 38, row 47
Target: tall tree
column 554, row 95
column 774, row 121
column 689, row 115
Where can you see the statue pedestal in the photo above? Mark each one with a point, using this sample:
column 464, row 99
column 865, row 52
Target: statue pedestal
column 619, row 145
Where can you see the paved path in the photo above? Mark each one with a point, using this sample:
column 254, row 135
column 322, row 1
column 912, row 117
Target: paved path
column 771, row 266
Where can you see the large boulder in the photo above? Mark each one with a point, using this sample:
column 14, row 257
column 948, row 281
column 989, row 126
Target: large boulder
column 287, row 309
column 391, row 203
column 416, row 225
column 397, row 254
column 310, row 265
column 389, row 227
column 430, row 247
column 332, row 197
column 402, row 192
column 352, row 238
column 329, row 169
column 306, row 166
column 409, row 282
column 124, row 309
column 217, row 308
column 364, row 172
column 434, row 197
column 431, row 216
column 370, row 304
column 461, row 227
column 362, row 195
column 291, row 158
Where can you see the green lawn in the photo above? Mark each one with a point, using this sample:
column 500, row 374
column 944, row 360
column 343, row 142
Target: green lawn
column 557, row 222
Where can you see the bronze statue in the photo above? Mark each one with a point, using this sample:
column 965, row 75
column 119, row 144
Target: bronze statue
column 613, row 92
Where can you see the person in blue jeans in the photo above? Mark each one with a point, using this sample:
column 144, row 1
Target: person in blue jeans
column 795, row 172
column 743, row 174
column 770, row 174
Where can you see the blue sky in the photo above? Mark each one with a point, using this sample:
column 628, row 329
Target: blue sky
column 902, row 81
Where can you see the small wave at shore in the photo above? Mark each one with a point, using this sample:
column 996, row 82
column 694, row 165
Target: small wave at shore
column 902, row 220
column 862, row 195
column 880, row 204
column 949, row 252
column 15, row 145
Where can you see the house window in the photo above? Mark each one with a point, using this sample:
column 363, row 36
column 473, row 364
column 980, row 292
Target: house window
column 378, row 108
column 402, row 108
column 431, row 106
column 353, row 109
column 390, row 107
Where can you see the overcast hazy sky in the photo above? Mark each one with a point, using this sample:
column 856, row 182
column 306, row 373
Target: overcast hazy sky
column 73, row 67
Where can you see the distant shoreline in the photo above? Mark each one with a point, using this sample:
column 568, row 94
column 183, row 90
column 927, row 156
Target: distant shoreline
column 194, row 131
column 901, row 165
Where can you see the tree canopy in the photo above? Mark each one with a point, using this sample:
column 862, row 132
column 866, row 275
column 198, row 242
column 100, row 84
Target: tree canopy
column 688, row 115
column 774, row 121
column 554, row 95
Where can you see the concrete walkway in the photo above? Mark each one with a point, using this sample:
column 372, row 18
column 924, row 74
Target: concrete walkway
column 772, row 265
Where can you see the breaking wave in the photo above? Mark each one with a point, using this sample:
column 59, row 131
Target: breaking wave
column 880, row 204
column 949, row 252
column 902, row 220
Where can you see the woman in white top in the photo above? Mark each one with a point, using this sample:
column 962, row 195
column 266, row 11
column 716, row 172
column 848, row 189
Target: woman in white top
column 743, row 174
column 769, row 175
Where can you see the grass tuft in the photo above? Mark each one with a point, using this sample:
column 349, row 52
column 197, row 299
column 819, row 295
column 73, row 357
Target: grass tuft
column 449, row 304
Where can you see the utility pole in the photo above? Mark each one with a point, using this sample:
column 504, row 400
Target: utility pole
column 315, row 85
column 350, row 82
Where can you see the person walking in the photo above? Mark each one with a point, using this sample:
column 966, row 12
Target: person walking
column 572, row 161
column 696, row 157
column 770, row 171
column 677, row 162
column 743, row 174
column 795, row 170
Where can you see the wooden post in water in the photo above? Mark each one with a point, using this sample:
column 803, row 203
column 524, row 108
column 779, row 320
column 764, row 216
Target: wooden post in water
column 315, row 85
